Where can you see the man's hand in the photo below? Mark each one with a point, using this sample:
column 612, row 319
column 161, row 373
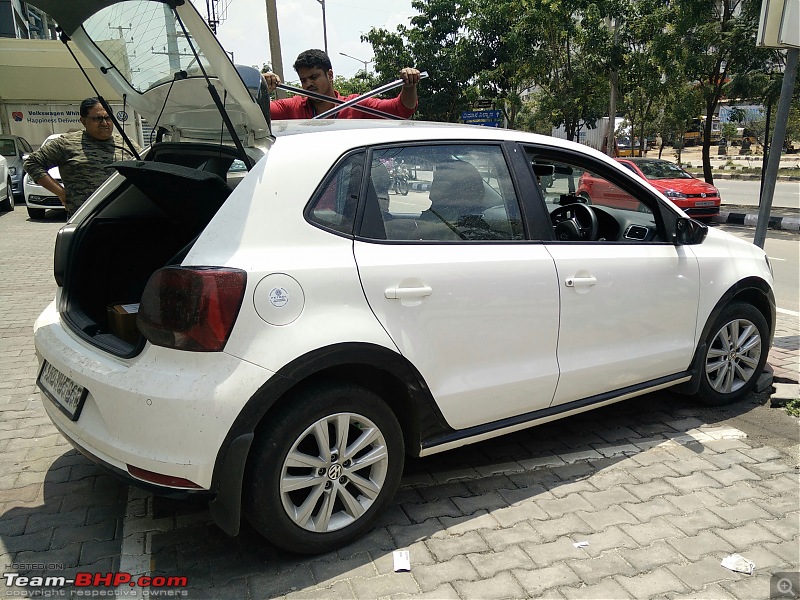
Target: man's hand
column 410, row 77
column 272, row 80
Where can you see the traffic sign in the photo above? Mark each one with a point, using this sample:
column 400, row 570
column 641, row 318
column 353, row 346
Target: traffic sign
column 481, row 115
column 482, row 104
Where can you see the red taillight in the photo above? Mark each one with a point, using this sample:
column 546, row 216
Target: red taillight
column 160, row 479
column 191, row 308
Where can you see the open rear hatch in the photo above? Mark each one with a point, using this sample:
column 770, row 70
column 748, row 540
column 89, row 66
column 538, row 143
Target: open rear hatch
column 163, row 60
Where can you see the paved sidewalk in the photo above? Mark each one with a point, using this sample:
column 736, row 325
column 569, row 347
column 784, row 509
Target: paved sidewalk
column 655, row 492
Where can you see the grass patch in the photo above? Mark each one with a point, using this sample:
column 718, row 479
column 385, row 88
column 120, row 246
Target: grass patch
column 793, row 407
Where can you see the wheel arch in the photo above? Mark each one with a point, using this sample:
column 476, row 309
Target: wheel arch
column 752, row 290
column 382, row 371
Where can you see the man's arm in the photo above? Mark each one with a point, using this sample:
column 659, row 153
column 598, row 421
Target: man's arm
column 408, row 95
column 39, row 161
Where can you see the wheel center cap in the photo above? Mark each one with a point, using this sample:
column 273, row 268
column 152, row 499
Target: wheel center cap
column 334, row 472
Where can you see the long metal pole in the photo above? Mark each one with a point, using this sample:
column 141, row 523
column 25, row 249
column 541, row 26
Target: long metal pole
column 275, row 43
column 380, row 90
column 776, row 146
column 324, row 26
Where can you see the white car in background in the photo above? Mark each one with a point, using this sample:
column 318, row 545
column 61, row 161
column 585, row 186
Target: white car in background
column 279, row 347
column 6, row 196
column 38, row 199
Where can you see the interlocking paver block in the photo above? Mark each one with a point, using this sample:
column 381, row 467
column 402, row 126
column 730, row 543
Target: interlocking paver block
column 657, row 529
column 459, row 525
column 427, row 510
column 743, row 512
column 652, row 585
column 696, row 546
column 341, row 590
column 489, row 564
column 499, row 587
column 561, row 506
column 447, row 548
column 606, row 498
column 601, row 519
column 744, row 535
column 733, row 494
column 485, row 501
column 553, row 529
column 538, row 581
column 648, row 558
column 430, row 577
column 385, row 585
column 699, row 573
column 445, row 592
column 498, row 539
column 328, row 571
column 593, row 570
column 526, row 511
column 646, row 511
column 786, row 527
column 553, row 552
column 406, row 535
column 605, row 589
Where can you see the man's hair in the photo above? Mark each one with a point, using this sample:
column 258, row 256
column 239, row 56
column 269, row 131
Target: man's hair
column 311, row 59
column 87, row 105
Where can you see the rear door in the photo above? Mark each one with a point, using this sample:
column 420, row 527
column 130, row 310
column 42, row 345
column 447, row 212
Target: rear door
column 448, row 273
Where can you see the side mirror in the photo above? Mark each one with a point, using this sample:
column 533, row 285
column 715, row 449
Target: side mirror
column 689, row 232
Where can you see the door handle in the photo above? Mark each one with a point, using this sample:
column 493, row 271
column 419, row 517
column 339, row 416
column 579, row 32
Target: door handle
column 580, row 281
column 403, row 293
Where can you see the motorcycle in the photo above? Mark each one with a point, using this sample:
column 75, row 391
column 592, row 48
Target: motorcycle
column 399, row 180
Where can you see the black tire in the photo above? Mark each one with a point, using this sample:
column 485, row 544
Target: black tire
column 8, row 202
column 36, row 213
column 736, row 351
column 359, row 487
column 402, row 187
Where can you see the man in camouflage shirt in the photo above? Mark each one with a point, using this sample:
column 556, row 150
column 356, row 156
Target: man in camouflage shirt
column 81, row 156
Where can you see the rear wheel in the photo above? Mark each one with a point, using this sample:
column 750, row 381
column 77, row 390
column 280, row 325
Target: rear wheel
column 8, row 202
column 36, row 213
column 735, row 355
column 324, row 468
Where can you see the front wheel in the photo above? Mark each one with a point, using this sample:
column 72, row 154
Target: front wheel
column 402, row 187
column 324, row 468
column 735, row 354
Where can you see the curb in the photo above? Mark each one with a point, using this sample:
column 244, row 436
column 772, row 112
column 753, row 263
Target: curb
column 784, row 223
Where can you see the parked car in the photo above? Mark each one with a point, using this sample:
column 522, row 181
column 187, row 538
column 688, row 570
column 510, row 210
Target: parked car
column 6, row 198
column 694, row 196
column 14, row 148
column 37, row 198
column 279, row 348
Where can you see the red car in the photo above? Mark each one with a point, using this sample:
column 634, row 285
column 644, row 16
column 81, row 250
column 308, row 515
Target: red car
column 695, row 197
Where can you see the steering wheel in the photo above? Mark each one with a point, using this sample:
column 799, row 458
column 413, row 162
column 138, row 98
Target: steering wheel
column 575, row 222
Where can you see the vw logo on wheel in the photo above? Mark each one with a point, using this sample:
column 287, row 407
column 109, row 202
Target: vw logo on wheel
column 334, row 472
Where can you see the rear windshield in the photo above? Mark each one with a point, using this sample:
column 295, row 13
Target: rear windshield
column 145, row 43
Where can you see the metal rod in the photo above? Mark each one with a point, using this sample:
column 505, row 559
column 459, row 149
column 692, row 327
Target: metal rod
column 372, row 111
column 379, row 90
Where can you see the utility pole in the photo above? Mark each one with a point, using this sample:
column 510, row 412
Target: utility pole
column 275, row 44
column 324, row 26
column 612, row 103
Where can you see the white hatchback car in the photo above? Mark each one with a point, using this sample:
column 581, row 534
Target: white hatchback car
column 6, row 196
column 280, row 347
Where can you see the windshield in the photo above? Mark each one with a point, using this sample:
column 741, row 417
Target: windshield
column 145, row 43
column 7, row 148
column 661, row 169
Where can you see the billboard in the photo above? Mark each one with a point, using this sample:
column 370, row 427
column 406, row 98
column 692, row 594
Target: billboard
column 35, row 122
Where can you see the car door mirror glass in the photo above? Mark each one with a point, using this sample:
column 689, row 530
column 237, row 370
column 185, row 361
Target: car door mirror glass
column 690, row 231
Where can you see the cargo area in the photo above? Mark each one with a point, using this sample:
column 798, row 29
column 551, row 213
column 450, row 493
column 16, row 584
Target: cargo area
column 105, row 260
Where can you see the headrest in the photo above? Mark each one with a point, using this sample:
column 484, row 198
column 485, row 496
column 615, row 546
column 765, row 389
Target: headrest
column 456, row 183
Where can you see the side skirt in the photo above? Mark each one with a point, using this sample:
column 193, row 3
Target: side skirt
column 480, row 433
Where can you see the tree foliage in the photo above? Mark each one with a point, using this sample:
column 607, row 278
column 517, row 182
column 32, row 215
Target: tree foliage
column 674, row 60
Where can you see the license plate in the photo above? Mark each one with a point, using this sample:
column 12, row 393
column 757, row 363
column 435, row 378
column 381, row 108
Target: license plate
column 704, row 203
column 65, row 393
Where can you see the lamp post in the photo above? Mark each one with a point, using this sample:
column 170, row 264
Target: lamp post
column 366, row 62
column 324, row 25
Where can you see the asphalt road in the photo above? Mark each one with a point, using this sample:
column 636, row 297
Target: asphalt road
column 745, row 192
